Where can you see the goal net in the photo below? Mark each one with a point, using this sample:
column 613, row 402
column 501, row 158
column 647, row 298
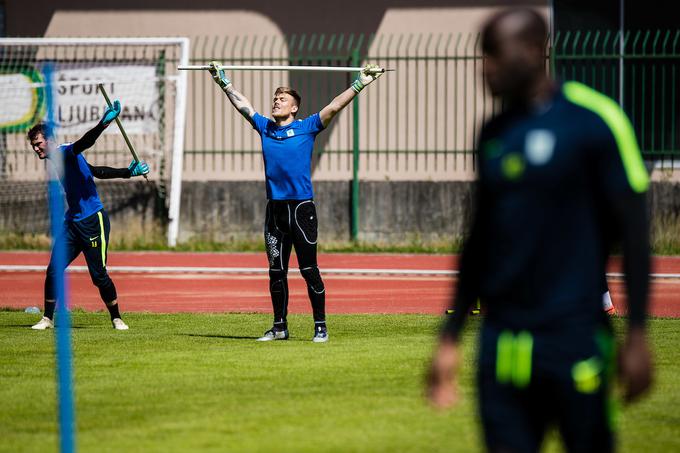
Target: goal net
column 140, row 72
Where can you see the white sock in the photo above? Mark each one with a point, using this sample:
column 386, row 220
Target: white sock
column 607, row 301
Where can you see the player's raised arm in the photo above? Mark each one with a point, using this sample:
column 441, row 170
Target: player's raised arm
column 91, row 136
column 366, row 76
column 238, row 100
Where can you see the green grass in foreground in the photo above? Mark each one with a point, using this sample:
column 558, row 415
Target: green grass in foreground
column 198, row 382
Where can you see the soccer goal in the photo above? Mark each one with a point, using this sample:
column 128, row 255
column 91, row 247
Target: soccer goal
column 140, row 72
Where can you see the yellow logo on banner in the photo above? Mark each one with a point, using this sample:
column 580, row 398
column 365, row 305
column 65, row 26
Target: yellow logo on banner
column 21, row 99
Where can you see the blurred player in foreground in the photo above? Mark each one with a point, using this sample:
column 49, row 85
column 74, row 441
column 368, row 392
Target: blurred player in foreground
column 290, row 219
column 86, row 224
column 560, row 173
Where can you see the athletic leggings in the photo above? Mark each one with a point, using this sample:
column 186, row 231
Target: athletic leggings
column 288, row 224
column 91, row 237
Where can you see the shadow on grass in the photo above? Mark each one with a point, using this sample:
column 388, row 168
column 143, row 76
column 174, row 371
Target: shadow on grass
column 228, row 337
column 9, row 326
column 231, row 337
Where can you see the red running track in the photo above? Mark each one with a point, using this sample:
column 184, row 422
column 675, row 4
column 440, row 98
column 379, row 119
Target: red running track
column 200, row 292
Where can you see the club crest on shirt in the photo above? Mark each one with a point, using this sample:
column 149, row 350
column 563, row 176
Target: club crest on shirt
column 539, row 146
column 513, row 166
column 290, row 132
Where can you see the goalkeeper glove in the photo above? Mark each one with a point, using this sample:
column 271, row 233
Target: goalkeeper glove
column 138, row 168
column 111, row 113
column 218, row 75
column 366, row 76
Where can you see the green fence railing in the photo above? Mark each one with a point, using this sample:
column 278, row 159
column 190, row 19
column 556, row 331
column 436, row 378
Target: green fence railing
column 419, row 123
column 639, row 69
column 430, row 107
column 422, row 121
column 433, row 104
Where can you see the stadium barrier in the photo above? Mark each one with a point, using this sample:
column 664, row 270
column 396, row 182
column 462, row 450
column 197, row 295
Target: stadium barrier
column 417, row 124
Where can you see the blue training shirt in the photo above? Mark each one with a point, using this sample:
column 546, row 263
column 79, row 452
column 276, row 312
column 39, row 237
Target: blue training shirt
column 78, row 183
column 287, row 153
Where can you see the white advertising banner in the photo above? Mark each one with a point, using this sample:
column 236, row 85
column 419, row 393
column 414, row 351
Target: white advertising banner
column 79, row 104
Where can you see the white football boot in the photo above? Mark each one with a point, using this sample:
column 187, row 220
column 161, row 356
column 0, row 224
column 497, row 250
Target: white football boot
column 43, row 324
column 118, row 324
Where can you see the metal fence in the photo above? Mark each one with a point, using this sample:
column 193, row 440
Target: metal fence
column 419, row 122
column 639, row 69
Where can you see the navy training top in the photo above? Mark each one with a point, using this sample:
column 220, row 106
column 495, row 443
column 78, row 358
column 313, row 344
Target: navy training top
column 78, row 183
column 543, row 224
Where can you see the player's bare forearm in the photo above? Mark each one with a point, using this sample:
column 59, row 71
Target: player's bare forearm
column 470, row 264
column 631, row 213
column 336, row 105
column 240, row 103
column 365, row 77
column 442, row 388
column 636, row 369
column 635, row 360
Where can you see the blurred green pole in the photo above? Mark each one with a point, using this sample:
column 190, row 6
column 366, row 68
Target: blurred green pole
column 355, row 152
column 551, row 57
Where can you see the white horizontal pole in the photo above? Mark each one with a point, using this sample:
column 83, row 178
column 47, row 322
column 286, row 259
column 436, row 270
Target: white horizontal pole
column 281, row 68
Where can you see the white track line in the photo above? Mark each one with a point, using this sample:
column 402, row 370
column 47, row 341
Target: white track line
column 259, row 270
column 225, row 270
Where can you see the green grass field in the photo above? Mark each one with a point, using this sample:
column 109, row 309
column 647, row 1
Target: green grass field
column 198, row 382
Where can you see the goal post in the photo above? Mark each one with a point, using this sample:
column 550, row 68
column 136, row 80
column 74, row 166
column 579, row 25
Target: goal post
column 141, row 72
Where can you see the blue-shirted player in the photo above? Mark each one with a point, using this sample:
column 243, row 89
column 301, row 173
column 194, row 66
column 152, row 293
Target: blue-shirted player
column 86, row 224
column 560, row 178
column 290, row 219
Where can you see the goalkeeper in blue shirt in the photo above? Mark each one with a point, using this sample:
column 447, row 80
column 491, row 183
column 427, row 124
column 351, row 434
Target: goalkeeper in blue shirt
column 290, row 219
column 86, row 224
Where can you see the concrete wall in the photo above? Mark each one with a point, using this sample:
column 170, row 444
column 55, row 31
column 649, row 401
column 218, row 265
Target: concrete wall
column 134, row 207
column 232, row 210
column 664, row 199
column 389, row 211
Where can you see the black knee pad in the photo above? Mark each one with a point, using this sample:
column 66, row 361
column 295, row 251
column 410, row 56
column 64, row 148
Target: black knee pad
column 306, row 220
column 313, row 279
column 277, row 280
